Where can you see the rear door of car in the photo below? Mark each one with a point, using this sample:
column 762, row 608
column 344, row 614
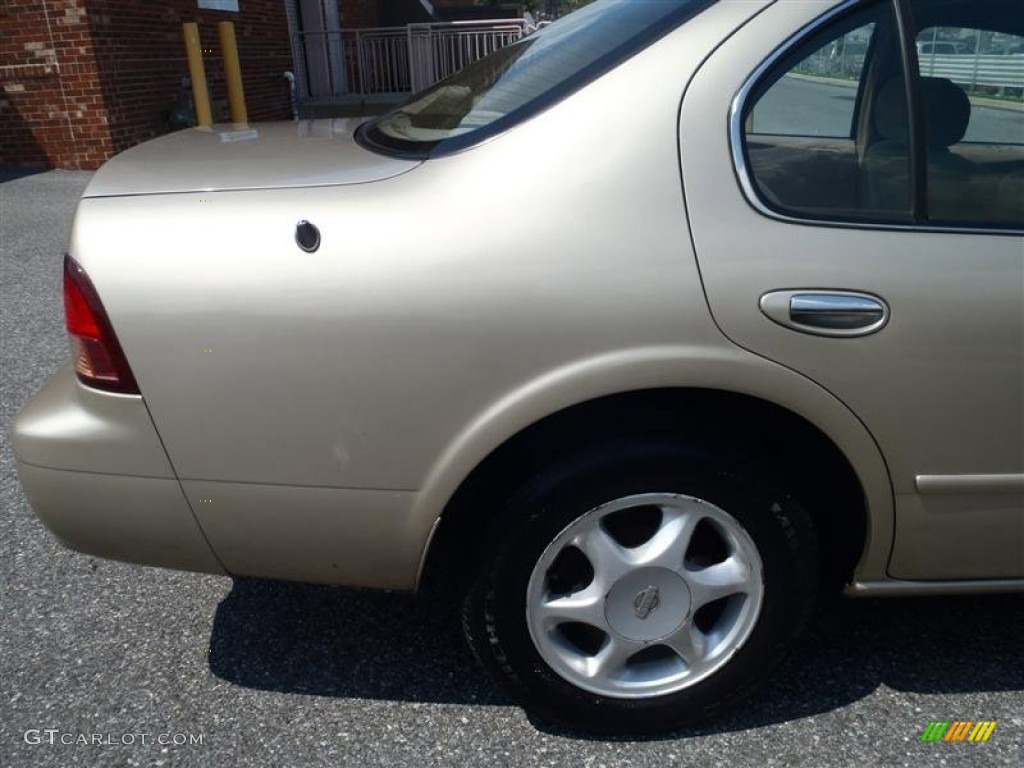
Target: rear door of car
column 831, row 240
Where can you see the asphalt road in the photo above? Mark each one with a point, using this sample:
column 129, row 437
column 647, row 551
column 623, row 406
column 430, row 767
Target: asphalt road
column 270, row 674
column 805, row 107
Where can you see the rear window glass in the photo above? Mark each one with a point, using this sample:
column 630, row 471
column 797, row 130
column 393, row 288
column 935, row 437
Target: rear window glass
column 518, row 81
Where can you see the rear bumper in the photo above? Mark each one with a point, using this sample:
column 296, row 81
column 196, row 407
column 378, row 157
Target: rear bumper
column 95, row 473
column 136, row 519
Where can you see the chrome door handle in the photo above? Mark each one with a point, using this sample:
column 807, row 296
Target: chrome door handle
column 826, row 313
column 823, row 310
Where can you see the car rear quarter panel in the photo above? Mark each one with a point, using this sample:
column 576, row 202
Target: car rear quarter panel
column 446, row 309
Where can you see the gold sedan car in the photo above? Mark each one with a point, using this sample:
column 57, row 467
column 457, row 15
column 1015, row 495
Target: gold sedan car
column 641, row 332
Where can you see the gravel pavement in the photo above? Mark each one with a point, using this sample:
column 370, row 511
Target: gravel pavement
column 269, row 674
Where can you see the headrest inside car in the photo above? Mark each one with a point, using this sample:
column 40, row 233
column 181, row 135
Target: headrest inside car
column 947, row 111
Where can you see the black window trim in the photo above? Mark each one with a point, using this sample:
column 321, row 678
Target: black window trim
column 741, row 164
column 915, row 112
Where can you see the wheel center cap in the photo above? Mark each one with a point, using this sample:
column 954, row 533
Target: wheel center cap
column 647, row 604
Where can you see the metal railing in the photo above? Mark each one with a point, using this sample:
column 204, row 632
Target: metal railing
column 439, row 50
column 384, row 60
column 844, row 59
column 972, row 70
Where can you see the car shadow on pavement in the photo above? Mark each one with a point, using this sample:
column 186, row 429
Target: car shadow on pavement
column 332, row 641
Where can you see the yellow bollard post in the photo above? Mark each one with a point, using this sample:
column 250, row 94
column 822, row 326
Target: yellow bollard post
column 200, row 93
column 233, row 72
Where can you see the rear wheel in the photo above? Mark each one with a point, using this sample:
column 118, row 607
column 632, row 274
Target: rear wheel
column 641, row 589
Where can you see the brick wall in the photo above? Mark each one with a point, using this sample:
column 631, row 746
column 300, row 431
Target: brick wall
column 44, row 57
column 85, row 79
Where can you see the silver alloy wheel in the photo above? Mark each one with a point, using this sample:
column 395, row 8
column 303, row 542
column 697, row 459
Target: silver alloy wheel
column 656, row 615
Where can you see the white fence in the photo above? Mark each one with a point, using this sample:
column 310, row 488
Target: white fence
column 439, row 50
column 975, row 69
column 384, row 60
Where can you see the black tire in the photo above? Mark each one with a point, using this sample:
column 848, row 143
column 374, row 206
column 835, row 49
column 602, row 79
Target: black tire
column 494, row 609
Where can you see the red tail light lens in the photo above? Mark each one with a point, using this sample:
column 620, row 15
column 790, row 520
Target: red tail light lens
column 99, row 359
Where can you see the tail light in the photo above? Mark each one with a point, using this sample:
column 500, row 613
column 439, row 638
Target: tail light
column 99, row 360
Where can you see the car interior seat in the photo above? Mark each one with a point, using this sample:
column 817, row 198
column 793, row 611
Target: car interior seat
column 886, row 164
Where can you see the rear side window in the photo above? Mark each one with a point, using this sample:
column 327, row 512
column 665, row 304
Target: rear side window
column 803, row 139
column 515, row 83
column 974, row 135
column 989, row 68
column 822, row 84
column 828, row 133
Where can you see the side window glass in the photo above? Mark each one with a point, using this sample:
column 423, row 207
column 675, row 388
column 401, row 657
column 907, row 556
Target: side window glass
column 823, row 86
column 989, row 67
column 826, row 130
column 972, row 88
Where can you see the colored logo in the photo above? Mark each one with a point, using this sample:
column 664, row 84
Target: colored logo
column 958, row 730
